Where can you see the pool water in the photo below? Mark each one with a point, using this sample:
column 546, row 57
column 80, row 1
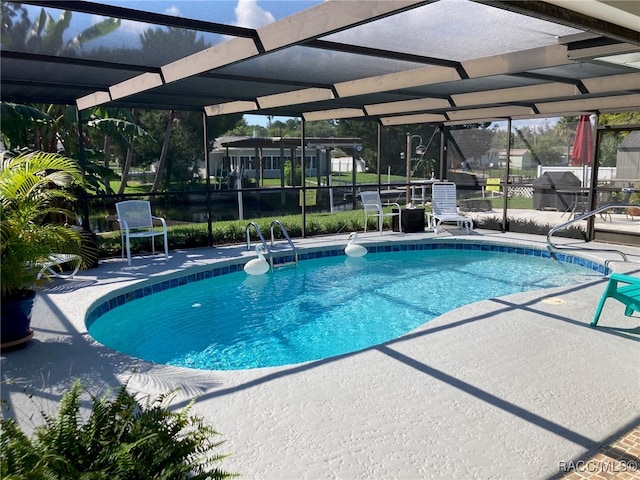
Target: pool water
column 323, row 308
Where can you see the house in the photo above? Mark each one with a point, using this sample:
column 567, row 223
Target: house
column 628, row 157
column 265, row 157
column 519, row 158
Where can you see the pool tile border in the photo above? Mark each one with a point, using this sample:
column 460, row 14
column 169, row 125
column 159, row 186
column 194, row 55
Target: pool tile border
column 215, row 270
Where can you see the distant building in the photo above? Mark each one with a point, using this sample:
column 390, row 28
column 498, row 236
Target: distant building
column 265, row 157
column 345, row 164
column 628, row 157
column 519, row 158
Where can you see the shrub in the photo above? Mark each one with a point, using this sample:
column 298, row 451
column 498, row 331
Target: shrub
column 121, row 439
column 189, row 237
column 297, row 174
column 528, row 226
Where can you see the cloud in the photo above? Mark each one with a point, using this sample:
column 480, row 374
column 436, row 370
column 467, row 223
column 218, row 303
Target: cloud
column 174, row 11
column 250, row 15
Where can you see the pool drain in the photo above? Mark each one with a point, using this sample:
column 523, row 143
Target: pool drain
column 554, row 301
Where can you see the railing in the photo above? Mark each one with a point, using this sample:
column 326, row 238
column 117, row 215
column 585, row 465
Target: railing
column 554, row 248
column 259, row 232
column 268, row 247
column 286, row 235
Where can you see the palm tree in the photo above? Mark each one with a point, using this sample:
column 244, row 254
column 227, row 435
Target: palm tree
column 35, row 189
column 44, row 35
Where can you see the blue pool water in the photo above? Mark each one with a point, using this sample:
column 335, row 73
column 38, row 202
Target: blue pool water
column 323, row 308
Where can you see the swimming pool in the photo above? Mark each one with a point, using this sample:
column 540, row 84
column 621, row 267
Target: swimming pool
column 223, row 319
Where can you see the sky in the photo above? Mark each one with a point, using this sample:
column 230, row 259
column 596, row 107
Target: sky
column 242, row 13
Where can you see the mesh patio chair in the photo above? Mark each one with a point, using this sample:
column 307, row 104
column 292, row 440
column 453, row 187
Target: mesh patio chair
column 136, row 221
column 373, row 207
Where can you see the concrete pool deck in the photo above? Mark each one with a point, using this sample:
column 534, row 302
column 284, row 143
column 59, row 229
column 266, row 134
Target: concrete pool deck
column 515, row 387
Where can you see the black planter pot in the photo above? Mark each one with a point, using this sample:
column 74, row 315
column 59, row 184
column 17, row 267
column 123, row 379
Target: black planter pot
column 15, row 321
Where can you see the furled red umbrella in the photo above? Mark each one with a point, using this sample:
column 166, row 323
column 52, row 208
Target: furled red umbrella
column 582, row 151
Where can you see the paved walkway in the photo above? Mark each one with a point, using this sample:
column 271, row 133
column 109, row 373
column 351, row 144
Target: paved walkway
column 517, row 387
column 617, row 459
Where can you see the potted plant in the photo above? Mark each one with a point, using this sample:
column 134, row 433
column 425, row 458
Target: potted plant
column 35, row 191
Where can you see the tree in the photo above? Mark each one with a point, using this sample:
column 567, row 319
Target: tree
column 114, row 125
column 163, row 152
column 181, row 152
column 52, row 129
column 469, row 141
column 321, row 129
column 368, row 132
column 19, row 122
column 46, row 36
column 163, row 45
column 240, row 129
column 623, row 118
column 118, row 125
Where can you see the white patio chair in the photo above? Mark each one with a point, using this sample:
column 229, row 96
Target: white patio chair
column 136, row 221
column 445, row 207
column 373, row 207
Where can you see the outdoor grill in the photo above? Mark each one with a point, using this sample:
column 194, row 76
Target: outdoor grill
column 548, row 190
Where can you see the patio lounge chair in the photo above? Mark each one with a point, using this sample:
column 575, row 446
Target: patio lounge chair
column 52, row 267
column 373, row 207
column 136, row 221
column 628, row 293
column 445, row 207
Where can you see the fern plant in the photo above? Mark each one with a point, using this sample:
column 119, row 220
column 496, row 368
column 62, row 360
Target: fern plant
column 122, row 438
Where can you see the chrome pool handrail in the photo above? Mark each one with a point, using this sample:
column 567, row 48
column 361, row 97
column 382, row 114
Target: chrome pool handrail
column 259, row 232
column 554, row 248
column 279, row 224
column 268, row 247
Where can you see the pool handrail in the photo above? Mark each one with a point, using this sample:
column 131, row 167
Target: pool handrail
column 555, row 248
column 266, row 245
column 286, row 235
column 259, row 232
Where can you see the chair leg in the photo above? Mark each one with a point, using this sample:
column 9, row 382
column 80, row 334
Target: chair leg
column 596, row 317
column 57, row 261
column 128, row 250
column 166, row 246
column 612, row 285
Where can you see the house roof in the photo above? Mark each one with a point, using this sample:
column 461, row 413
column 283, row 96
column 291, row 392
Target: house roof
column 284, row 142
column 395, row 62
column 514, row 152
column 631, row 142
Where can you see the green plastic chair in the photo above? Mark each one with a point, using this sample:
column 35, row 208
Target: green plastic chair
column 628, row 294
